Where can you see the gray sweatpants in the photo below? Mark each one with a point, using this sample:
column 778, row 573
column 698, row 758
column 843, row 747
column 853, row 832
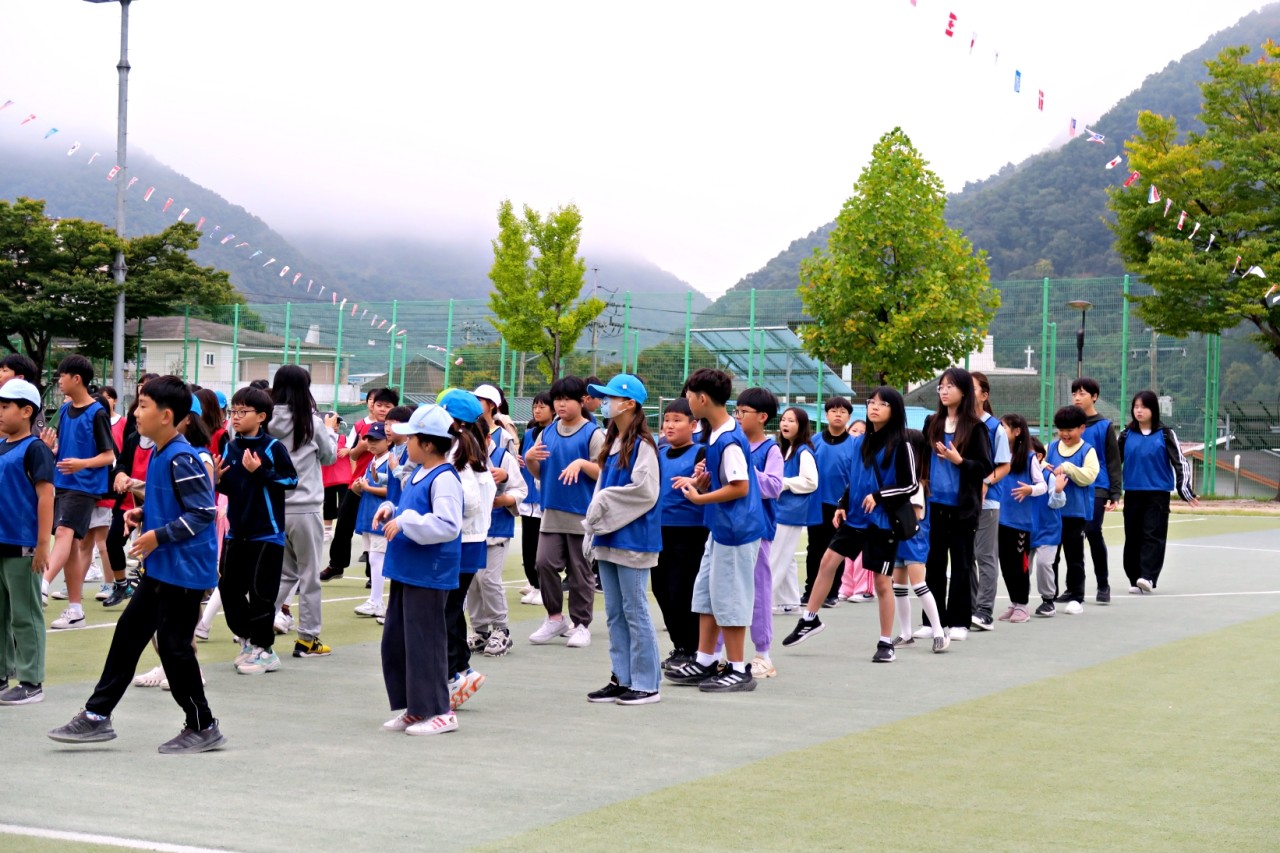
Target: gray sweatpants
column 303, row 548
column 1046, row 578
column 563, row 552
column 487, row 600
column 986, row 563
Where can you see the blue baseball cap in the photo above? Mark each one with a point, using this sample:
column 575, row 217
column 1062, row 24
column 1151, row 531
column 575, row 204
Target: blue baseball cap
column 377, row 431
column 222, row 399
column 196, row 408
column 426, row 420
column 461, row 405
column 623, row 385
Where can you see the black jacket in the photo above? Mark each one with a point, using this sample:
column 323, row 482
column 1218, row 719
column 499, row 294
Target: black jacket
column 975, row 465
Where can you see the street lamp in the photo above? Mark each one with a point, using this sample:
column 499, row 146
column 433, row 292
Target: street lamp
column 118, row 268
column 1083, row 306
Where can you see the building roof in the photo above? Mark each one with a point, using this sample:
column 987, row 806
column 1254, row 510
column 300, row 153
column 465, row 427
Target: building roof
column 780, row 363
column 173, row 328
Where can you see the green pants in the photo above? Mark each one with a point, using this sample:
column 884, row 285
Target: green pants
column 21, row 621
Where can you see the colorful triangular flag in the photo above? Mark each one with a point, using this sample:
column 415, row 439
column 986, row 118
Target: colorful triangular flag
column 1153, row 195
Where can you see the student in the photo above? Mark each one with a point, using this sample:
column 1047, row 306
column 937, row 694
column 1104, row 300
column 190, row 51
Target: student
column 754, row 409
column 799, row 487
column 254, row 473
column 336, row 476
column 26, row 480
column 372, row 488
column 882, row 475
column 85, row 453
column 1153, row 467
column 487, row 598
column 531, row 507
column 296, row 424
column 986, row 545
column 1046, row 529
column 15, row 365
column 424, row 547
column 378, row 402
column 179, row 554
column 1099, row 435
column 1075, row 457
column 912, row 557
column 684, row 533
column 496, row 416
column 834, row 454
column 128, row 476
column 962, row 460
column 563, row 457
column 724, row 590
column 625, row 523
column 1017, row 521
column 857, row 428
column 110, row 552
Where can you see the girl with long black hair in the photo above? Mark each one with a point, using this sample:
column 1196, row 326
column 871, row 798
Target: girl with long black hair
column 1013, row 536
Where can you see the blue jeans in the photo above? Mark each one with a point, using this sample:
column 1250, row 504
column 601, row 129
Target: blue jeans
column 633, row 643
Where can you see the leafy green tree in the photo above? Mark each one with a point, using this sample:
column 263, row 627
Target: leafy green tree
column 537, row 277
column 1227, row 179
column 55, row 279
column 896, row 293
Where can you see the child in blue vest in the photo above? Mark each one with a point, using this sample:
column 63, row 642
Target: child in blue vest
column 531, row 507
column 26, row 480
column 487, row 598
column 1016, row 519
column 179, row 554
column 724, row 590
column 254, row 474
column 1099, row 434
column 834, row 452
column 563, row 458
column 373, row 488
column 1075, row 457
column 424, row 553
column 799, row 492
column 986, row 540
column 1046, row 527
column 754, row 409
column 624, row 526
column 910, row 565
column 1153, row 467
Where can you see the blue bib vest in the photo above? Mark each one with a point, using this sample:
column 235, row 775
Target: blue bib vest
column 793, row 509
column 1095, row 435
column 563, row 449
column 740, row 521
column 916, row 549
column 862, row 482
column 645, row 533
column 994, row 492
column 833, row 469
column 375, row 475
column 76, row 441
column 769, row 505
column 531, row 485
column 192, row 563
column 433, row 566
column 1146, row 462
column 1015, row 514
column 1046, row 523
column 502, row 524
column 1079, row 498
column 18, row 522
column 944, row 478
column 676, row 509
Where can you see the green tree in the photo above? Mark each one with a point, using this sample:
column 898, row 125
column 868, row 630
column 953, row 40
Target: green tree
column 896, row 293
column 537, row 277
column 1227, row 179
column 55, row 279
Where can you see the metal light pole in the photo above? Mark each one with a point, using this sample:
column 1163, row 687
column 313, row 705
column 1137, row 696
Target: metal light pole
column 1083, row 306
column 118, row 268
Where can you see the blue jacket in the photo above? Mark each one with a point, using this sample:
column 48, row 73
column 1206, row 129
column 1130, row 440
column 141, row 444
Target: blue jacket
column 255, row 500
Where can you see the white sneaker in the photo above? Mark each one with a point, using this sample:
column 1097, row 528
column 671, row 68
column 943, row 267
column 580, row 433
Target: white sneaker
column 1144, row 586
column 370, row 608
column 437, row 725
column 1075, row 608
column 1133, row 590
column 551, row 628
column 533, row 597
column 381, row 619
column 94, row 574
column 104, row 592
column 861, row 597
column 525, row 590
column 924, row 632
column 957, row 634
column 202, row 633
column 397, row 723
column 150, row 678
column 59, row 595
column 72, row 617
column 283, row 623
column 762, row 667
column 579, row 637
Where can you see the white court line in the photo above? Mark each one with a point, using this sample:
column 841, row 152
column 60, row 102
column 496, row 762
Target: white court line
column 105, row 840
column 1222, row 547
column 113, row 624
column 1156, row 596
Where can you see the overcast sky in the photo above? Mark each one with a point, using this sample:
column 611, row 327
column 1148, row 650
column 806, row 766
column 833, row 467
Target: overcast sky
column 704, row 136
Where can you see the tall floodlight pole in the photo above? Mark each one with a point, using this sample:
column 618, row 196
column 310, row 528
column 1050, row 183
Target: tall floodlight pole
column 118, row 268
column 1083, row 306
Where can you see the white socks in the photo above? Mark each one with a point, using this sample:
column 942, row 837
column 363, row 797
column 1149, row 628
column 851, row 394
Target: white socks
column 930, row 606
column 902, row 603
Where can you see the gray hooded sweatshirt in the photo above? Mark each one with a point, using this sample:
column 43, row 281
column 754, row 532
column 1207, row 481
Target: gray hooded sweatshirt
column 307, row 459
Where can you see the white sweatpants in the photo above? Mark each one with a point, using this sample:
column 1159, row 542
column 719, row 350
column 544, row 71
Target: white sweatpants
column 782, row 563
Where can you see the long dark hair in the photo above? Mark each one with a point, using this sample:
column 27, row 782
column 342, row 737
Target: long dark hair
column 469, row 448
column 967, row 420
column 637, row 430
column 917, row 441
column 1148, row 399
column 292, row 389
column 210, row 410
column 1020, row 446
column 804, row 432
column 985, row 384
column 892, row 434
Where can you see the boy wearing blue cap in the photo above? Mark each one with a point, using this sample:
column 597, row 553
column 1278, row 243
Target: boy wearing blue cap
column 373, row 487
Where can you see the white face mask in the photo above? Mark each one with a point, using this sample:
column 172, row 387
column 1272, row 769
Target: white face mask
column 604, row 408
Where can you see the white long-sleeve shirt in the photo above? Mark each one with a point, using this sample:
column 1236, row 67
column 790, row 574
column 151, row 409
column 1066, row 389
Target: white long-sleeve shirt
column 444, row 521
column 806, row 481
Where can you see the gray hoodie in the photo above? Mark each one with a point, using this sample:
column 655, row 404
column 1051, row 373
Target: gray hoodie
column 307, row 459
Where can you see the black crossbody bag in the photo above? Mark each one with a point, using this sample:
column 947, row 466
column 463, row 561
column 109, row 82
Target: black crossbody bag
column 902, row 515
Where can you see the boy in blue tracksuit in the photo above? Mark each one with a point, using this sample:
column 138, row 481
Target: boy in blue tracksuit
column 179, row 556
column 1074, row 456
column 254, row 474
column 724, row 590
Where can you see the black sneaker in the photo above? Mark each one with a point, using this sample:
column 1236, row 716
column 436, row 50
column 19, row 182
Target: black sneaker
column 609, row 693
column 1063, row 598
column 729, row 681
column 804, row 599
column 1047, row 609
column 805, row 629
column 368, row 584
column 84, row 729
column 364, row 557
column 22, row 693
column 904, row 641
column 982, row 622
column 190, row 741
column 1104, row 596
column 330, row 573
column 674, row 659
column 639, row 697
column 120, row 592
column 884, row 653
column 831, row 601
column 691, row 672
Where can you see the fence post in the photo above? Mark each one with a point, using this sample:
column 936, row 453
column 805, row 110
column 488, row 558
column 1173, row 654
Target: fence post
column 1124, row 346
column 1212, row 351
column 137, row 358
column 688, row 324
column 515, row 356
column 1045, row 365
column 818, row 409
column 337, row 363
column 391, row 351
column 297, row 350
column 502, row 363
column 751, row 342
column 1047, row 422
column 186, row 329
column 195, row 374
column 448, row 345
column 404, row 356
column 235, row 347
column 626, row 330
